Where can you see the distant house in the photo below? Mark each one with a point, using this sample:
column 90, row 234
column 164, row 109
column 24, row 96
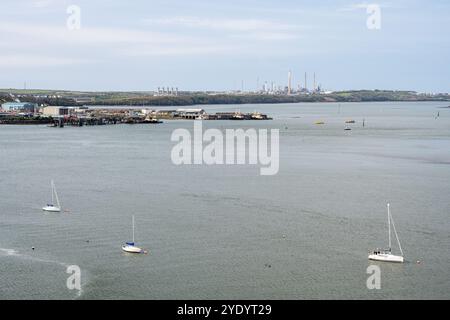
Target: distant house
column 55, row 111
column 190, row 113
column 169, row 113
column 20, row 106
column 83, row 99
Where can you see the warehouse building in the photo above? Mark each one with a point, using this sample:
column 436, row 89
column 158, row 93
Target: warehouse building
column 20, row 106
column 55, row 111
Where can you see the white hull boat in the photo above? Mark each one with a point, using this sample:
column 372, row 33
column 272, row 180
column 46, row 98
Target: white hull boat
column 387, row 257
column 130, row 246
column 52, row 207
column 386, row 254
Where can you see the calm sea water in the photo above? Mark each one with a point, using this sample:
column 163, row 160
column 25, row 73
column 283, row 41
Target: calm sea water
column 226, row 232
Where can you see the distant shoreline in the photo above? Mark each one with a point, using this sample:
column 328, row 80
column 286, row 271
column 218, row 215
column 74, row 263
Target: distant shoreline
column 145, row 99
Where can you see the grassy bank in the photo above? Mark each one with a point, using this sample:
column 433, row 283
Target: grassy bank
column 65, row 98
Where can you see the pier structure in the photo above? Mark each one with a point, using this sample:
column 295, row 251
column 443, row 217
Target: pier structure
column 109, row 116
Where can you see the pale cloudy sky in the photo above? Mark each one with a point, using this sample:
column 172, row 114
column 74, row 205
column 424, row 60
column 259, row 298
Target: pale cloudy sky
column 215, row 45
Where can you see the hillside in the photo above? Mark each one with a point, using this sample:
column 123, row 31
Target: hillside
column 65, row 98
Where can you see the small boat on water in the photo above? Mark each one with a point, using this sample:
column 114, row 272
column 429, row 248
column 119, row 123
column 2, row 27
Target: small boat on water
column 202, row 117
column 257, row 116
column 386, row 254
column 130, row 247
column 152, row 120
column 237, row 116
column 51, row 207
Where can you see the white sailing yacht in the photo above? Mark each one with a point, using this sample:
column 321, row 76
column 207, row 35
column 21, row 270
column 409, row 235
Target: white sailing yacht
column 51, row 207
column 130, row 247
column 386, row 254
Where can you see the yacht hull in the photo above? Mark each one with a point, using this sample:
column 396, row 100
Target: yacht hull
column 132, row 249
column 51, row 209
column 386, row 257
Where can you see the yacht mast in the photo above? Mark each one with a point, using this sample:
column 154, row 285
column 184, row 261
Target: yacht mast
column 52, row 186
column 56, row 195
column 396, row 236
column 133, row 227
column 389, row 226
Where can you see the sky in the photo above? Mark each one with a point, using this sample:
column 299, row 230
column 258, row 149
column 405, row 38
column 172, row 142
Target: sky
column 224, row 45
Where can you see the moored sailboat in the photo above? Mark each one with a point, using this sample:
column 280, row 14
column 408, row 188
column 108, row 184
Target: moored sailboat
column 130, row 247
column 51, row 207
column 386, row 254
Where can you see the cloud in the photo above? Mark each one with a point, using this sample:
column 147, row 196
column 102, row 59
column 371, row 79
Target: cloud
column 222, row 24
column 84, row 36
column 56, row 45
column 364, row 5
column 35, row 61
column 353, row 7
column 255, row 29
column 41, row 3
column 266, row 36
column 158, row 50
column 241, row 36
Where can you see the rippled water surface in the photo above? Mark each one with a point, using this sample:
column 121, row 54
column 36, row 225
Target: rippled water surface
column 224, row 232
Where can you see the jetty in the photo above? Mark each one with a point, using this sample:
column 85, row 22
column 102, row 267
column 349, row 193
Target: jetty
column 85, row 116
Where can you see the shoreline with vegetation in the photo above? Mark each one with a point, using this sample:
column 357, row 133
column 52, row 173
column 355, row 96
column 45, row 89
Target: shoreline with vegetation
column 78, row 98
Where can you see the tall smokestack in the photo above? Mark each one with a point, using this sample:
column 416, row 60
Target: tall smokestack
column 314, row 88
column 289, row 81
column 306, row 84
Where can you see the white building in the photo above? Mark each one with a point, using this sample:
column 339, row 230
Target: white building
column 55, row 111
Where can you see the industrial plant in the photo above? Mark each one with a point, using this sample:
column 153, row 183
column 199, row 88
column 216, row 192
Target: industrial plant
column 301, row 88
